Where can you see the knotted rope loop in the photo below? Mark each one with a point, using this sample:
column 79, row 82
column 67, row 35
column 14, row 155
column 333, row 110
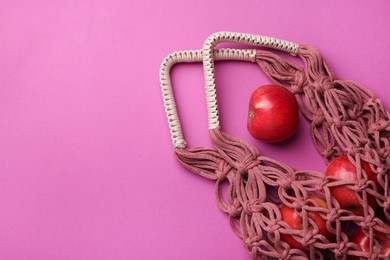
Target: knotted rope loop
column 252, row 206
column 380, row 125
column 299, row 80
column 222, row 171
column 220, row 174
column 368, row 222
column 247, row 163
column 353, row 151
column 337, row 123
column 341, row 249
column 309, row 238
column 254, row 241
column 318, row 119
column 299, row 204
column 234, row 212
column 363, row 184
column 286, row 182
column 384, row 153
column 330, row 153
column 333, row 214
column 273, row 227
column 323, row 83
column 355, row 112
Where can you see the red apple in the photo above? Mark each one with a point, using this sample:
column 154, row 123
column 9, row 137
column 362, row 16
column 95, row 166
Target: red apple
column 290, row 216
column 363, row 241
column 343, row 169
column 273, row 113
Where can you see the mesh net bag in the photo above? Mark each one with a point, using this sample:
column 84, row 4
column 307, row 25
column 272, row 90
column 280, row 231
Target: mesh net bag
column 345, row 119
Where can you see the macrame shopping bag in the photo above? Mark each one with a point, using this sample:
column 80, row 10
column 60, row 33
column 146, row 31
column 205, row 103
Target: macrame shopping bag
column 345, row 118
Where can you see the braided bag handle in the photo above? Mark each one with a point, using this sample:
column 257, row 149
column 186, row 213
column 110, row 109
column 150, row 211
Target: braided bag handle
column 345, row 118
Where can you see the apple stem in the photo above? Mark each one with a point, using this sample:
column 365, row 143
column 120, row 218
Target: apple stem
column 251, row 115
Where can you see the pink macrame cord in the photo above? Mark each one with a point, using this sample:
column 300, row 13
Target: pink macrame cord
column 345, row 118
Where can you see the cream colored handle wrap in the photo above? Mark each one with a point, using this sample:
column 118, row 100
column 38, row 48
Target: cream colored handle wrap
column 209, row 57
column 166, row 85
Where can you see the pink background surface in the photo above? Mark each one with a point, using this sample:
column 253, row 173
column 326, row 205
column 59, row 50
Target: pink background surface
column 86, row 165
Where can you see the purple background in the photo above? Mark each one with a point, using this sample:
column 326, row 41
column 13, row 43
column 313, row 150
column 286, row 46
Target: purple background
column 86, row 164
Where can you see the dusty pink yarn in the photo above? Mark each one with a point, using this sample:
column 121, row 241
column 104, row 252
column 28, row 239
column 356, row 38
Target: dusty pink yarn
column 346, row 118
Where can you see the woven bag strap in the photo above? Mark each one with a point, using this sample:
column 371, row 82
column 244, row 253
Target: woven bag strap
column 209, row 57
column 174, row 124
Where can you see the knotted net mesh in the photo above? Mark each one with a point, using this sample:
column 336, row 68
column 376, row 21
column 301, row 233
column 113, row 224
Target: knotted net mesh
column 345, row 119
